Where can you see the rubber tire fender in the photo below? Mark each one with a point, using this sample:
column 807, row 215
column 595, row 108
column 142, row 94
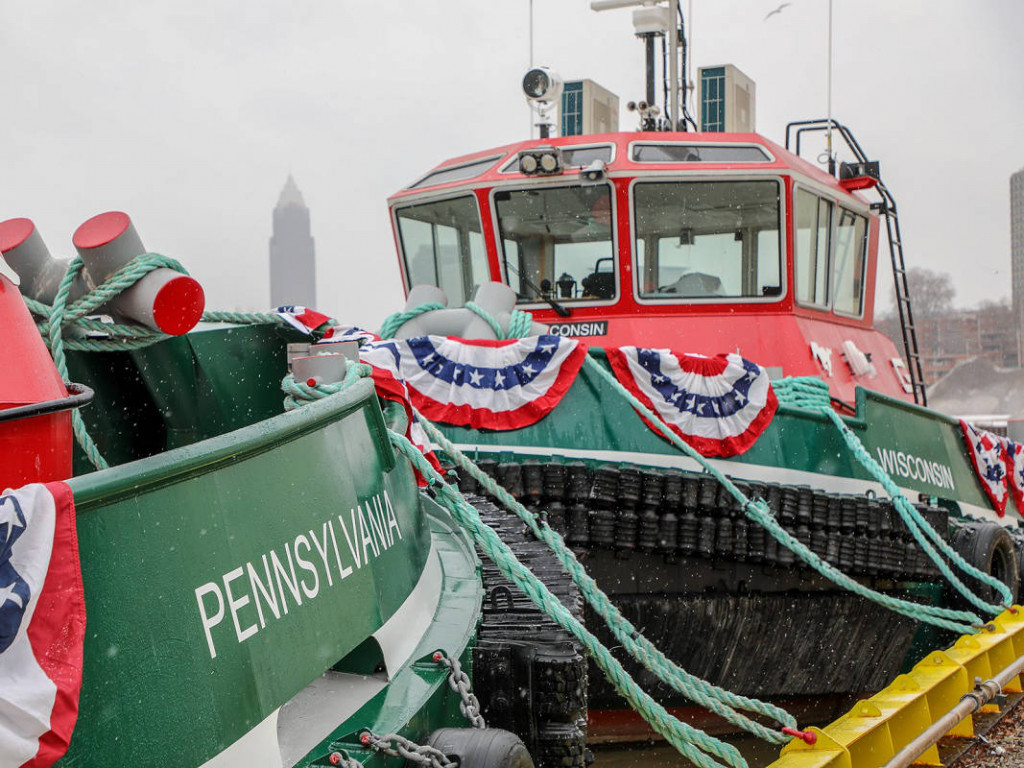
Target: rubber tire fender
column 988, row 547
column 481, row 747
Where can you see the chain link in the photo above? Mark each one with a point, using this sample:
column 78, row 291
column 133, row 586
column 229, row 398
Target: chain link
column 459, row 681
column 393, row 745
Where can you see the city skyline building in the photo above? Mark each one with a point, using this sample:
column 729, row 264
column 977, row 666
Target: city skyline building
column 292, row 251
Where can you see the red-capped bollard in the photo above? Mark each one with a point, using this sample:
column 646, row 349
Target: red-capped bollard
column 28, row 255
column 164, row 300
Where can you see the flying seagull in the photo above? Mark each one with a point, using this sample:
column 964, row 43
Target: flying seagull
column 777, row 10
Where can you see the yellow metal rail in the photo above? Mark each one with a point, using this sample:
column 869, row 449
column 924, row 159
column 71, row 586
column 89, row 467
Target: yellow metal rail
column 877, row 728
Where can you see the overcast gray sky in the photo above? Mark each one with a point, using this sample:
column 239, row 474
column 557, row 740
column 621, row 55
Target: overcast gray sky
column 190, row 114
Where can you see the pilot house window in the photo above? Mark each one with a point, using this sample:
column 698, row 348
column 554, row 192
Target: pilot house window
column 707, row 239
column 813, row 227
column 442, row 245
column 851, row 247
column 557, row 242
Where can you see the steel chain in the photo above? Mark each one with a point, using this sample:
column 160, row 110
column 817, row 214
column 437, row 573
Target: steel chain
column 469, row 705
column 420, row 754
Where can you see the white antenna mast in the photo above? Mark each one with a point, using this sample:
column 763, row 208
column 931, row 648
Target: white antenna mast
column 688, row 93
column 653, row 17
column 531, row 61
column 828, row 103
column 531, row 34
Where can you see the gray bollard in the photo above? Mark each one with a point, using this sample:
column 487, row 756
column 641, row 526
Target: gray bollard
column 164, row 299
column 320, row 369
column 28, row 255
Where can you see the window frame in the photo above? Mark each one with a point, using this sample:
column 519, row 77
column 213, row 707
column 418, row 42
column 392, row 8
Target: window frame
column 864, row 266
column 549, row 183
column 490, row 160
column 828, row 197
column 769, row 156
column 718, row 176
column 427, row 200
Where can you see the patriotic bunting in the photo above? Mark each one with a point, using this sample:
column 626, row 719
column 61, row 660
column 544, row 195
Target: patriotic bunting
column 42, row 624
column 338, row 333
column 500, row 385
column 988, row 456
column 302, row 319
column 719, row 405
column 1015, row 471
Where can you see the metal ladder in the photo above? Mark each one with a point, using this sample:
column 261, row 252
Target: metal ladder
column 887, row 208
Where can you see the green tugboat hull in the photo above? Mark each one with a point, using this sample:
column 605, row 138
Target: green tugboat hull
column 263, row 595
column 922, row 450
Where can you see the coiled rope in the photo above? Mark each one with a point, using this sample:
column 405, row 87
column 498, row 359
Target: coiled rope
column 812, row 394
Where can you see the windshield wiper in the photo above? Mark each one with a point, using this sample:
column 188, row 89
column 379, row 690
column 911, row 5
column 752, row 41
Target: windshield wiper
column 559, row 308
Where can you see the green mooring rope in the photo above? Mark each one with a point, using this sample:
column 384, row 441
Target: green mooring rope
column 718, row 700
column 961, row 622
column 691, row 743
column 694, row 744
column 519, row 322
column 812, row 394
column 53, row 320
column 807, row 392
column 393, row 322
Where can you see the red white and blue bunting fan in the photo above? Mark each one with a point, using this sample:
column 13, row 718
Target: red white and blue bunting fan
column 988, row 458
column 301, row 318
column 390, row 388
column 1015, row 471
column 482, row 384
column 42, row 624
column 354, row 333
column 719, row 405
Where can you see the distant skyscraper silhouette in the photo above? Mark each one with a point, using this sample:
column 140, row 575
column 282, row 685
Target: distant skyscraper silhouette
column 292, row 256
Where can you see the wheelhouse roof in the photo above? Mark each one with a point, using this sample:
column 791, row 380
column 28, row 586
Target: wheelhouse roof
column 622, row 164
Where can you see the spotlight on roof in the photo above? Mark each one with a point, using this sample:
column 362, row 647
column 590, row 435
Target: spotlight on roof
column 542, row 84
column 542, row 88
column 540, row 161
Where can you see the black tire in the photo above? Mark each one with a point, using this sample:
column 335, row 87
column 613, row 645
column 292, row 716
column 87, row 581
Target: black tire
column 989, row 547
column 529, row 674
column 481, row 747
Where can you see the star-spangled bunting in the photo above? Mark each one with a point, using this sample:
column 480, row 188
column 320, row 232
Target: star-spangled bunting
column 1014, row 453
column 301, row 318
column 42, row 624
column 719, row 405
column 500, row 385
column 988, row 457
